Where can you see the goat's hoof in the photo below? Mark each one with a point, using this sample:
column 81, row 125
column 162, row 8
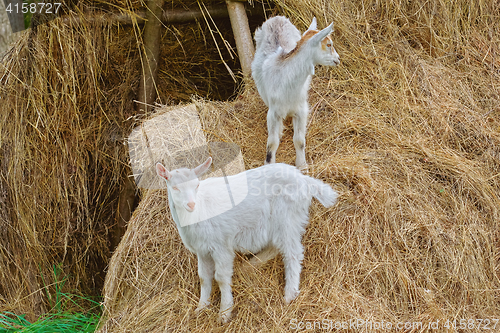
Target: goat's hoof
column 200, row 308
column 291, row 296
column 303, row 168
column 224, row 317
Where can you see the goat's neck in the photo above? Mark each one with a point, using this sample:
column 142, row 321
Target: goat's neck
column 300, row 64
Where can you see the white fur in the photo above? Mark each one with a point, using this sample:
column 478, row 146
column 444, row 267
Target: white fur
column 282, row 76
column 271, row 216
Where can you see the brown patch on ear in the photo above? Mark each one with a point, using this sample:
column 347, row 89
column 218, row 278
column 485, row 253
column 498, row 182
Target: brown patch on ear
column 308, row 35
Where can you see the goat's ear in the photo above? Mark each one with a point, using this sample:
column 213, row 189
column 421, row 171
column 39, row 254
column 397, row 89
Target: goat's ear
column 313, row 26
column 162, row 171
column 201, row 169
column 321, row 35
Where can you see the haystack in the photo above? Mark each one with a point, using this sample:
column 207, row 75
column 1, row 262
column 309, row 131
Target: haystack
column 407, row 130
column 67, row 91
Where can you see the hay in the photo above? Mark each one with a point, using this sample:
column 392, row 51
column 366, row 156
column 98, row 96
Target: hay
column 407, row 130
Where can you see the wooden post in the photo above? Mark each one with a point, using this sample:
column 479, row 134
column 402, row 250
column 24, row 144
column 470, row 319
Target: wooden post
column 124, row 211
column 147, row 96
column 15, row 14
column 150, row 56
column 242, row 35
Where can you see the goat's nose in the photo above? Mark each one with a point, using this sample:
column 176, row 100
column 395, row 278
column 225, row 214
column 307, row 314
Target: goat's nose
column 191, row 205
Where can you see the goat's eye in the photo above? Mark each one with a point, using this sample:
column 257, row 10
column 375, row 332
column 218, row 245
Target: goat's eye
column 197, row 186
column 329, row 45
column 175, row 188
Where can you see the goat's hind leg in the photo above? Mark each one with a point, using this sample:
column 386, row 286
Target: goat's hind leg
column 274, row 131
column 293, row 254
column 299, row 137
column 206, row 269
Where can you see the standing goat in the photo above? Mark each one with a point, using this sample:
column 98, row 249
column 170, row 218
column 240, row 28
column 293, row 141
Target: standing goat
column 282, row 68
column 264, row 209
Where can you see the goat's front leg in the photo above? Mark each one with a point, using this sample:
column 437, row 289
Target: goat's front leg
column 299, row 136
column 206, row 269
column 274, row 129
column 223, row 276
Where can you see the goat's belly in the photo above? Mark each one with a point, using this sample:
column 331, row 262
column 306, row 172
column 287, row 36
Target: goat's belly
column 252, row 241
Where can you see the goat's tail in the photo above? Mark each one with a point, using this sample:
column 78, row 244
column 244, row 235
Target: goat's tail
column 267, row 38
column 276, row 32
column 325, row 194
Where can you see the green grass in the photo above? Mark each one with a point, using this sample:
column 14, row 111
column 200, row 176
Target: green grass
column 60, row 323
column 69, row 313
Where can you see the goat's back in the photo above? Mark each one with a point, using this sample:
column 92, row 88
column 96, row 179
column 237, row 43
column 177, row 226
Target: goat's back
column 276, row 205
column 276, row 32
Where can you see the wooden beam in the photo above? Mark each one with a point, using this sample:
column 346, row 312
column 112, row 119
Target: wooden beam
column 183, row 16
column 242, row 35
column 174, row 16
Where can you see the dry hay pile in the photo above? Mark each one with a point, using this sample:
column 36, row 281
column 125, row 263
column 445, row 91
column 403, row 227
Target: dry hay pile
column 66, row 91
column 407, row 130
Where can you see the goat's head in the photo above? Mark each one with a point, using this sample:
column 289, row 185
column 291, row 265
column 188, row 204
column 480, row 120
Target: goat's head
column 183, row 184
column 323, row 51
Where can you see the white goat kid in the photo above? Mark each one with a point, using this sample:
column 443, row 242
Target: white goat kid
column 271, row 217
column 282, row 68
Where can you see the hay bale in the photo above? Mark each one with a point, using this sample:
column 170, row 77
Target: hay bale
column 174, row 136
column 407, row 130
